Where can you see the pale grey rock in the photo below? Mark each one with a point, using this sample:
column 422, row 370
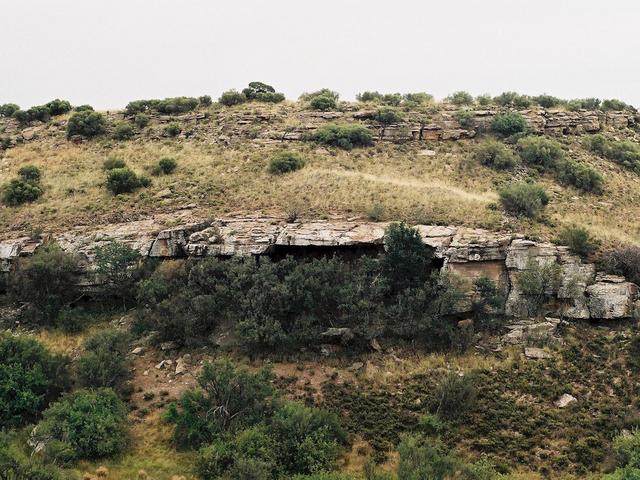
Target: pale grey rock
column 535, row 353
column 611, row 297
column 565, row 400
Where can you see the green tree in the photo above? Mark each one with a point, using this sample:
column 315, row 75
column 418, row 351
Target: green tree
column 508, row 123
column 407, row 260
column 86, row 424
column 105, row 362
column 45, row 282
column 86, row 123
column 229, row 397
column 30, row 378
column 117, row 269
column 524, row 199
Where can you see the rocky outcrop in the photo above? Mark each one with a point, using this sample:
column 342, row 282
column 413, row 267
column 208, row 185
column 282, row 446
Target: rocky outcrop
column 287, row 123
column 579, row 292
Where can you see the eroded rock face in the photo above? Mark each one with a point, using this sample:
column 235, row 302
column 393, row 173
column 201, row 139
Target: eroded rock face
column 468, row 253
column 611, row 296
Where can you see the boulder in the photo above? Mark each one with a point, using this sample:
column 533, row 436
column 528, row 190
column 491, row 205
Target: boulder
column 343, row 335
column 611, row 297
column 536, row 353
column 565, row 400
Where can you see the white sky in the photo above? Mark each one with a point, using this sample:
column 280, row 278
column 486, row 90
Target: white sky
column 108, row 52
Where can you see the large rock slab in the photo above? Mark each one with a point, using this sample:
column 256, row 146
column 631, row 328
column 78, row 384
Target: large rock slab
column 331, row 234
column 611, row 297
column 235, row 236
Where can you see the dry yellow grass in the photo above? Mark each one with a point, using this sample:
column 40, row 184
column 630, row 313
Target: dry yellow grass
column 151, row 451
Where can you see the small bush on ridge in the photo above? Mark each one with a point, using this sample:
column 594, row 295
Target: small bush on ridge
column 86, row 123
column 524, row 199
column 286, row 162
column 508, row 123
column 124, row 180
column 495, row 155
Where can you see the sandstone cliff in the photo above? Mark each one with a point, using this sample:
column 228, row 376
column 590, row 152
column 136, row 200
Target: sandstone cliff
column 580, row 293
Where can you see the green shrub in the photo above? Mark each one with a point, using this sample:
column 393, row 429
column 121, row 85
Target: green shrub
column 58, row 107
column 285, row 162
column 624, row 261
column 8, row 109
column 614, row 104
column 175, row 105
column 322, row 103
column 50, row 266
column 172, row 130
column 86, row 123
column 536, row 283
column 205, row 100
column 40, row 113
column 581, row 176
column 30, row 173
column 456, row 396
column 346, row 136
column 513, row 99
column 524, row 199
column 308, row 439
column 30, row 378
column 490, row 300
column 271, row 97
column 578, row 240
column 105, row 362
column 324, row 92
column 17, row 465
column 583, row 104
column 484, row 100
column 548, row 101
column 123, row 131
column 407, row 259
column 422, row 458
column 117, row 269
column 228, row 399
column 540, row 152
column 124, row 180
column 138, row 106
column 625, row 153
column 465, row 118
column 113, row 163
column 627, row 450
column 89, row 424
column 508, row 123
column 141, row 120
column 387, row 116
column 167, row 165
column 19, row 191
column 495, row 155
column 369, row 97
column 83, row 108
column 232, row 97
column 5, row 142
column 460, row 98
column 418, row 98
column 287, row 304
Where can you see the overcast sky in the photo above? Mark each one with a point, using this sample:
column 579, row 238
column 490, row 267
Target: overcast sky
column 108, row 52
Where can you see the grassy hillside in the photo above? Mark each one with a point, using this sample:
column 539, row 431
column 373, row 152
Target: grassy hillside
column 318, row 368
column 219, row 174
